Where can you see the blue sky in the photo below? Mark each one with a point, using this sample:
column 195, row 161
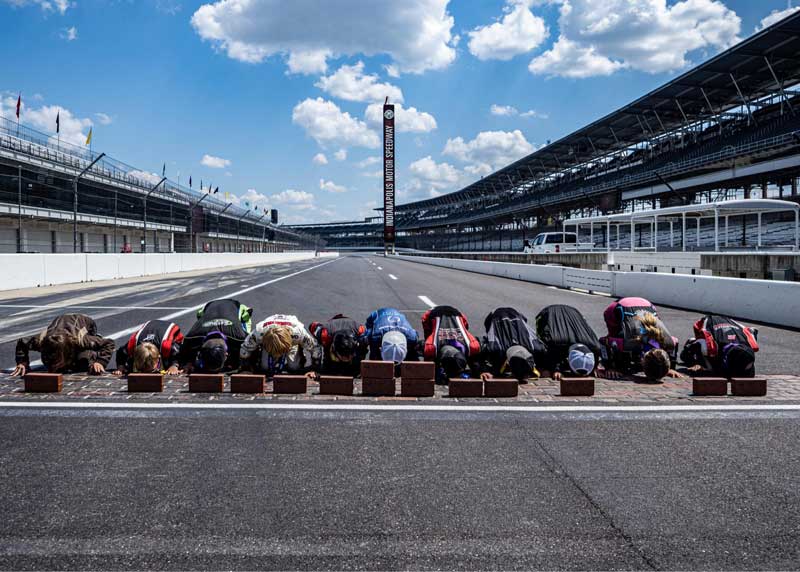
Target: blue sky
column 270, row 99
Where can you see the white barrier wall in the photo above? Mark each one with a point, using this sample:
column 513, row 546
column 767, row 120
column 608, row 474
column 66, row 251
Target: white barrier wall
column 771, row 302
column 33, row 270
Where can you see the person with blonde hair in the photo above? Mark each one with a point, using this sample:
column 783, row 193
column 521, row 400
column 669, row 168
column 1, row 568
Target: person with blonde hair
column 638, row 341
column 69, row 344
column 154, row 347
column 280, row 344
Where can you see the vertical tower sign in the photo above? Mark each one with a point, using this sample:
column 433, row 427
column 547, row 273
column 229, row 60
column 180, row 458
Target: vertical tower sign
column 388, row 176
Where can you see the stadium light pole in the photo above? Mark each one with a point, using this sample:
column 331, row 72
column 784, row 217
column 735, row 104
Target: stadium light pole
column 150, row 192
column 75, row 202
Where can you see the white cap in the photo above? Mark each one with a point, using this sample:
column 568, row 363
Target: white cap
column 581, row 359
column 394, row 347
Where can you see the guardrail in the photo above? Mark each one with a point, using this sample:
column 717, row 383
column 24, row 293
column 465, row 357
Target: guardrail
column 771, row 302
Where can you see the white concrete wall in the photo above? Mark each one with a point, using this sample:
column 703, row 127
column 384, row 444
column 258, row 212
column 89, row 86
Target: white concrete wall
column 771, row 302
column 33, row 270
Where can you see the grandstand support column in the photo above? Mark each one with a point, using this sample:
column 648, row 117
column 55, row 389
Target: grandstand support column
column 654, row 234
column 796, row 230
column 716, row 229
column 591, row 235
column 633, row 233
column 671, row 233
column 608, row 235
column 683, row 232
column 19, row 209
column 794, row 186
column 75, row 202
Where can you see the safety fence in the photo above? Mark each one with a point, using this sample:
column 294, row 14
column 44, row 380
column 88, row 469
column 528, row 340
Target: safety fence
column 33, row 270
column 771, row 302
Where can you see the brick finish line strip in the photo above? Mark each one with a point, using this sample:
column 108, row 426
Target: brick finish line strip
column 391, row 407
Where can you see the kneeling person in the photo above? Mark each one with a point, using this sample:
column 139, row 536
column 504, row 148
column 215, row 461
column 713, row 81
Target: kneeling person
column 572, row 345
column 511, row 346
column 280, row 344
column 343, row 345
column 638, row 340
column 391, row 337
column 155, row 346
column 213, row 342
column 449, row 343
column 721, row 346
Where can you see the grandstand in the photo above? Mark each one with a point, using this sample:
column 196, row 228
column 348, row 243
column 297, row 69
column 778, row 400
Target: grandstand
column 58, row 197
column 727, row 129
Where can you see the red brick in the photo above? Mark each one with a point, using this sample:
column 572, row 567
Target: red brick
column 206, row 383
column 577, row 386
column 500, row 388
column 465, row 388
column 335, row 385
column 416, row 387
column 748, row 386
column 417, row 370
column 247, row 383
column 145, row 382
column 375, row 369
column 377, row 387
column 710, row 386
column 43, row 382
column 289, row 384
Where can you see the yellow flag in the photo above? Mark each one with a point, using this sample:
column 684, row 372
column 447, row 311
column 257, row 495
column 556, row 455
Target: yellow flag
column 227, row 196
column 89, row 137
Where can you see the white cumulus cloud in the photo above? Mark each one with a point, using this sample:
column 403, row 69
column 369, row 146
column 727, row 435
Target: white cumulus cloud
column 599, row 37
column 518, row 32
column 294, row 199
column 214, row 162
column 73, row 129
column 320, row 159
column 331, row 187
column 351, row 84
column 104, row 118
column 308, row 62
column 329, row 125
column 340, row 155
column 776, row 16
column 511, row 111
column 416, row 34
column 406, row 120
column 59, row 6
column 489, row 150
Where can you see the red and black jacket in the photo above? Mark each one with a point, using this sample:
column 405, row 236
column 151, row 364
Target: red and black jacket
column 164, row 335
column 720, row 331
column 445, row 323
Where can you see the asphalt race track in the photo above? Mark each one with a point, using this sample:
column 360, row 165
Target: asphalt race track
column 351, row 285
column 337, row 487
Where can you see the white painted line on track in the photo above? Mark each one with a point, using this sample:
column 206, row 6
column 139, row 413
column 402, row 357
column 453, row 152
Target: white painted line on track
column 390, row 407
column 183, row 311
column 392, row 276
column 80, row 307
column 380, row 268
column 427, row 301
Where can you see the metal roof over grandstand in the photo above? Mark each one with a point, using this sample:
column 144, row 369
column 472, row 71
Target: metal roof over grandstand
column 764, row 64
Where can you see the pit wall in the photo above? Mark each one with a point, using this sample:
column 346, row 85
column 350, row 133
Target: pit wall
column 33, row 270
column 771, row 302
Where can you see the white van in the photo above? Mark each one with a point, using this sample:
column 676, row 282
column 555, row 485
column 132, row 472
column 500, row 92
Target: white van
column 552, row 242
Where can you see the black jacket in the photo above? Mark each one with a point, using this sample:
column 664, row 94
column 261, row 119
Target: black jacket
column 96, row 349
